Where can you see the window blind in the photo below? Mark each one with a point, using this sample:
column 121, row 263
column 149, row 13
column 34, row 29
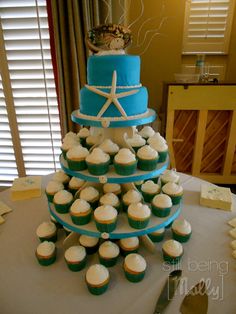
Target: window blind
column 31, row 86
column 207, row 26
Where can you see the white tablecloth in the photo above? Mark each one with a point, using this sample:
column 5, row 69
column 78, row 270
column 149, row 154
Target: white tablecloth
column 28, row 288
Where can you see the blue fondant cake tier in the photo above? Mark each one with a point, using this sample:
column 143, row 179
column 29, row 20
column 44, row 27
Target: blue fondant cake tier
column 100, row 70
column 91, row 103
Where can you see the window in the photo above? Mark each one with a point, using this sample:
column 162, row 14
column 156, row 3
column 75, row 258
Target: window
column 30, row 136
column 207, row 26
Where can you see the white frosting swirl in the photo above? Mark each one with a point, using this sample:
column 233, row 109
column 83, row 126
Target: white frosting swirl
column 53, row 187
column 75, row 183
column 129, row 243
column 75, row 253
column 45, row 229
column 109, row 199
column 156, row 137
column 172, row 188
column 182, row 225
column 62, row 197
column 111, row 188
column 84, row 132
column 162, row 201
column 77, row 152
column 97, row 274
column 139, row 210
column 150, row 187
column 124, row 156
column 158, row 145
column 147, row 152
column 136, row 140
column 92, row 139
column 109, row 249
column 105, row 212
column 89, row 193
column 61, row 176
column 46, row 248
column 69, row 143
column 88, row 241
column 80, row 206
column 170, row 176
column 147, row 131
column 132, row 196
column 97, row 156
column 135, row 262
column 173, row 248
column 109, row 147
column 70, row 136
column 110, row 52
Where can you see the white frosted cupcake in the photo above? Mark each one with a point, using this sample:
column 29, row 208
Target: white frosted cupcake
column 80, row 212
column 129, row 245
column 62, row 201
column 47, row 231
column 61, row 177
column 83, row 134
column 110, row 148
column 76, row 158
column 69, row 141
column 92, row 140
column 138, row 215
column 160, row 146
column 156, row 137
column 169, row 176
column 98, row 162
column 161, row 205
column 136, row 142
column 172, row 251
column 97, row 279
column 125, row 162
column 105, row 217
column 158, row 235
column 174, row 190
column 132, row 196
column 147, row 158
column 146, row 132
column 91, row 195
column 181, row 230
column 110, row 199
column 46, row 253
column 112, row 188
column 108, row 253
column 52, row 188
column 134, row 267
column 90, row 244
column 75, row 184
column 150, row 189
column 70, row 136
column 138, row 184
column 75, row 257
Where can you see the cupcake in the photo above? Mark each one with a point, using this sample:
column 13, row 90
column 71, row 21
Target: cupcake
column 62, row 201
column 169, row 176
column 80, row 212
column 90, row 244
column 172, row 251
column 174, row 190
column 91, row 195
column 75, row 257
column 158, row 235
column 129, row 245
column 70, row 136
column 97, row 279
column 98, row 162
column 146, row 132
column 181, row 230
column 52, row 188
column 114, row 188
column 110, row 199
column 156, row 137
column 83, row 134
column 61, row 177
column 149, row 189
column 75, row 184
column 69, row 142
column 105, row 217
column 134, row 267
column 138, row 215
column 92, row 140
column 132, row 196
column 108, row 253
column 138, row 184
column 47, row 231
column 147, row 158
column 161, row 205
column 76, row 158
column 160, row 146
column 110, row 148
column 46, row 253
column 136, row 142
column 125, row 162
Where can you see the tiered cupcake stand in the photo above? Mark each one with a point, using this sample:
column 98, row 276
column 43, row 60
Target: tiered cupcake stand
column 118, row 130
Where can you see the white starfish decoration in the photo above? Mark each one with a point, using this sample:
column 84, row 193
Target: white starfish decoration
column 112, row 97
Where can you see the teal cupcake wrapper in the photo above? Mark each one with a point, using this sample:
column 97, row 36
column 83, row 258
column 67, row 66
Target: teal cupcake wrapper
column 91, row 249
column 52, row 238
column 176, row 199
column 170, row 259
column 136, row 148
column 64, row 153
column 47, row 261
column 77, row 266
column 160, row 212
column 81, row 220
column 108, row 262
column 99, row 169
column 156, row 238
column 181, row 238
column 147, row 165
column 49, row 197
column 162, row 156
column 134, row 277
column 148, row 197
column 125, row 170
column 138, row 224
column 83, row 141
column 126, row 252
column 63, row 208
column 97, row 290
column 102, row 227
column 94, row 204
column 76, row 165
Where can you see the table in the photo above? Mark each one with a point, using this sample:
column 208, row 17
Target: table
column 28, row 288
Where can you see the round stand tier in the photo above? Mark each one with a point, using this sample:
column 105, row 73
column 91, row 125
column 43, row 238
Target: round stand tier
column 119, row 122
column 123, row 230
column 112, row 176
